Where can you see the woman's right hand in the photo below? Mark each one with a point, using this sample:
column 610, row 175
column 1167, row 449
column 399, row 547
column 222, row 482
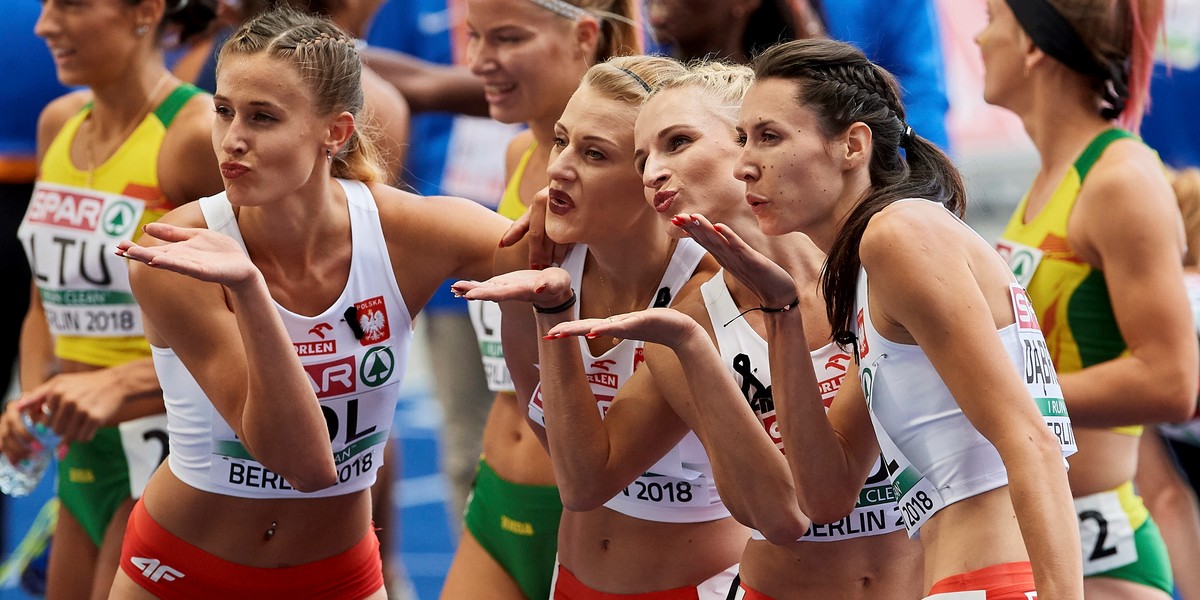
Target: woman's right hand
column 16, row 441
column 196, row 252
column 543, row 251
column 769, row 281
column 549, row 287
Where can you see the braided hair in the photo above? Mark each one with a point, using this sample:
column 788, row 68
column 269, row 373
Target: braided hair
column 328, row 62
column 842, row 87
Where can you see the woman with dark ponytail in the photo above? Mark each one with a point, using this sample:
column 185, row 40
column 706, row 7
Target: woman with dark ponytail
column 943, row 336
column 1098, row 241
column 119, row 153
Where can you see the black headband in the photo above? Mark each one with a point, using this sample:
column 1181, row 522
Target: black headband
column 638, row 79
column 1054, row 35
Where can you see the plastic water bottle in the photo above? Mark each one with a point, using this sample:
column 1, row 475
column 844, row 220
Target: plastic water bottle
column 20, row 479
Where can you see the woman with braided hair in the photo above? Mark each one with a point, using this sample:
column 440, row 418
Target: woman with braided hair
column 129, row 146
column 1098, row 240
column 942, row 335
column 280, row 316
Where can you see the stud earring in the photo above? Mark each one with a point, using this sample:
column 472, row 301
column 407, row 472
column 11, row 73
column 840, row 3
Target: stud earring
column 142, row 30
column 328, row 153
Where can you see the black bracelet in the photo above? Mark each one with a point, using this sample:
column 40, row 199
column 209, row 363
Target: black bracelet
column 789, row 306
column 553, row 310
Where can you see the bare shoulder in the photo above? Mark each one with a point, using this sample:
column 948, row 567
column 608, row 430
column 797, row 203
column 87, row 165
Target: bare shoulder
column 904, row 232
column 55, row 115
column 187, row 162
column 516, row 148
column 188, row 215
column 1126, row 204
column 1128, row 176
column 396, row 204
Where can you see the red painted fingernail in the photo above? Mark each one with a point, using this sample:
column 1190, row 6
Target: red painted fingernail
column 540, row 288
column 35, row 446
column 592, row 336
column 62, row 452
column 550, row 336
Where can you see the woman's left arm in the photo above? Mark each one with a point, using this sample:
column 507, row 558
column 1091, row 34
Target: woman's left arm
column 1128, row 225
column 432, row 239
column 922, row 283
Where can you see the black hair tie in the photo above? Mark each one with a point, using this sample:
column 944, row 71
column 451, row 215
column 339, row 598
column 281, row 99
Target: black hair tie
column 767, row 309
column 553, row 310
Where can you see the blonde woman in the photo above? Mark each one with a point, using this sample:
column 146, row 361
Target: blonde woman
column 530, row 57
column 280, row 314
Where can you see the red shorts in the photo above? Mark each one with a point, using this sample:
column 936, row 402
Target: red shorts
column 745, row 592
column 1008, row 581
column 171, row 568
column 567, row 587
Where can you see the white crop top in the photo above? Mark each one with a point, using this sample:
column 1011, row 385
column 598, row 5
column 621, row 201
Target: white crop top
column 746, row 356
column 679, row 487
column 934, row 455
column 355, row 370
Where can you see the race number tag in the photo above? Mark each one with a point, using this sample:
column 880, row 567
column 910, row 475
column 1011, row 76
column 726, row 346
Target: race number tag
column 1022, row 260
column 1041, row 380
column 485, row 317
column 69, row 235
column 1105, row 533
column 971, row 595
column 669, row 483
column 144, row 442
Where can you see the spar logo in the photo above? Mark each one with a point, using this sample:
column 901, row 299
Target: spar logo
column 377, row 366
column 61, row 208
column 119, row 218
column 372, row 319
column 332, row 378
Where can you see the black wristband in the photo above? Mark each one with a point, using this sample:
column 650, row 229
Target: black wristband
column 787, row 307
column 553, row 310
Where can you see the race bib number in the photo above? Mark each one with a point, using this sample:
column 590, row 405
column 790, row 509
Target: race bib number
column 69, row 235
column 669, row 492
column 1022, row 260
column 1041, row 379
column 357, row 448
column 145, row 444
column 485, row 317
column 971, row 595
column 1105, row 533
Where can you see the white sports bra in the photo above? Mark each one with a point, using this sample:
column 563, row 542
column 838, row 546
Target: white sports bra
column 354, row 352
column 679, row 487
column 746, row 356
